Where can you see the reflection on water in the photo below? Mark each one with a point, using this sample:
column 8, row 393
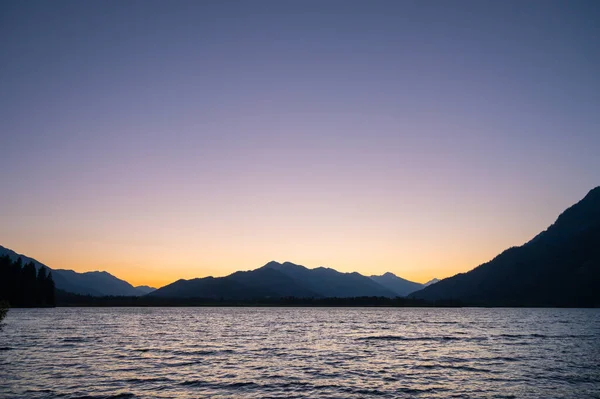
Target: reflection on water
column 300, row 352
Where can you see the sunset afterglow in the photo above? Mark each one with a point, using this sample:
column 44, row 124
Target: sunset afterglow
column 190, row 139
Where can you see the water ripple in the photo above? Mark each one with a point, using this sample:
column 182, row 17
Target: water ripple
column 187, row 353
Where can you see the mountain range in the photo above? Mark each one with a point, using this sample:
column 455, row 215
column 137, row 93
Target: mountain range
column 558, row 267
column 276, row 280
column 272, row 280
column 97, row 283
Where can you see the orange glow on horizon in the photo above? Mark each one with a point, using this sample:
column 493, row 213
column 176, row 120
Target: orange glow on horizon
column 159, row 274
column 415, row 241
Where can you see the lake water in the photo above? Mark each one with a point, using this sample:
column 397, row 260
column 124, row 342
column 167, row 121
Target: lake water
column 300, row 353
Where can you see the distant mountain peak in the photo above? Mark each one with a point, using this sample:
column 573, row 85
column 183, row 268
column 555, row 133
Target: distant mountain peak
column 432, row 281
column 272, row 263
column 144, row 289
column 287, row 263
column 397, row 284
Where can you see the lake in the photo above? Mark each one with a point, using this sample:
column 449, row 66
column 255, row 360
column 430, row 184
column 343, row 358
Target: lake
column 300, row 353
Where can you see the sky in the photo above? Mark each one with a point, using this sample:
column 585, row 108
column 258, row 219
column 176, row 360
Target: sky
column 160, row 140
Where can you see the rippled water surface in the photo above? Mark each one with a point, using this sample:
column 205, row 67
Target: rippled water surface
column 299, row 353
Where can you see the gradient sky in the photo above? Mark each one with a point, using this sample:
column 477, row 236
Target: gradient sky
column 160, row 140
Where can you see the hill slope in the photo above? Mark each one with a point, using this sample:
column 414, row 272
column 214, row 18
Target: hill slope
column 144, row 289
column 397, row 284
column 432, row 281
column 89, row 283
column 559, row 267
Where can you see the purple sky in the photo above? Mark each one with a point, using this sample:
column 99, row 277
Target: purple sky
column 168, row 139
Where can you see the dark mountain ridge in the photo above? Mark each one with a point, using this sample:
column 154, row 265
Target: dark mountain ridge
column 331, row 283
column 277, row 280
column 273, row 280
column 558, row 267
column 259, row 283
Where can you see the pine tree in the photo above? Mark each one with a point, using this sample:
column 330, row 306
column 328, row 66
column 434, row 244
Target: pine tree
column 23, row 286
column 6, row 278
column 49, row 290
column 17, row 288
column 40, row 297
column 29, row 284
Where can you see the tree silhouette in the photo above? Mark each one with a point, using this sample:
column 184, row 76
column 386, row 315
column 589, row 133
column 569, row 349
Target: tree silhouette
column 29, row 285
column 49, row 290
column 23, row 286
column 40, row 298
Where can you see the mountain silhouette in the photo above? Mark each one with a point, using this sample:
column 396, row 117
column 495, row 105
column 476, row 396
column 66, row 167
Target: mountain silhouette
column 144, row 289
column 277, row 280
column 273, row 283
column 89, row 283
column 260, row 283
column 273, row 280
column 207, row 287
column 432, row 281
column 397, row 284
column 331, row 283
column 97, row 283
column 558, row 267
